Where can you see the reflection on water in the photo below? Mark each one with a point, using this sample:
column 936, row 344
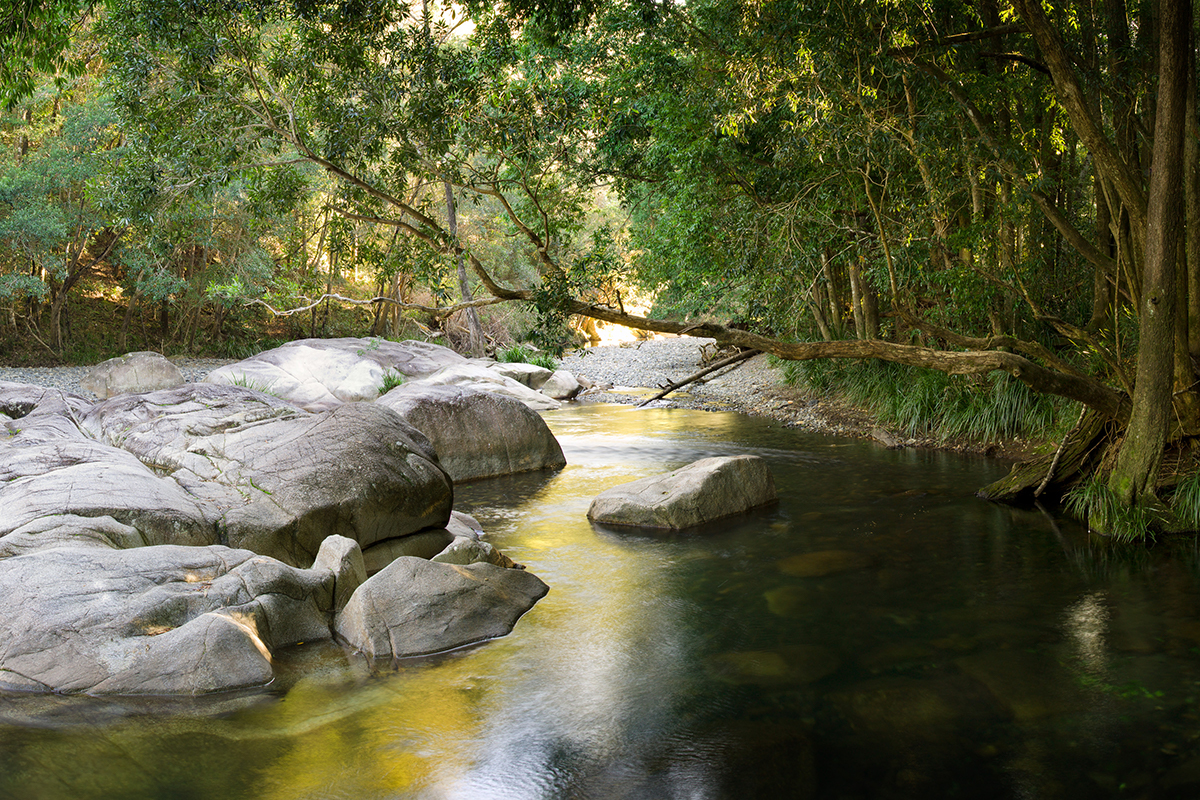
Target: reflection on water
column 879, row 633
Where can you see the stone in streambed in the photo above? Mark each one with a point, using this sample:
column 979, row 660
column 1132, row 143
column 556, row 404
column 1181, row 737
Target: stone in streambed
column 706, row 490
column 477, row 434
column 416, row 607
column 163, row 619
column 276, row 479
column 820, row 563
column 788, row 666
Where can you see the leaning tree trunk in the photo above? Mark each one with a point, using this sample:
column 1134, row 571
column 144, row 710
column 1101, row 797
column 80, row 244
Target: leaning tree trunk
column 1136, row 473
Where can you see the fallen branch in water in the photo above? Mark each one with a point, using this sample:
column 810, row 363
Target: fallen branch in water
column 734, row 359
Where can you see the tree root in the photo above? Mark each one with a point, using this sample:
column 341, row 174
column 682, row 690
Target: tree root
column 1080, row 453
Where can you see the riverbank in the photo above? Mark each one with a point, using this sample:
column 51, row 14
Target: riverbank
column 635, row 371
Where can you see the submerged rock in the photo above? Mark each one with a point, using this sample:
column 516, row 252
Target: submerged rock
column 706, row 490
column 789, row 666
column 820, row 563
column 1027, row 685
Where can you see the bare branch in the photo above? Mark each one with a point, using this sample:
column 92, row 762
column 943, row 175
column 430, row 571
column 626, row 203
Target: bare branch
column 436, row 311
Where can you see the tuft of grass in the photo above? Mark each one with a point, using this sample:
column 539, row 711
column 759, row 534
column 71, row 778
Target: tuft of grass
column 925, row 402
column 246, row 382
column 1185, row 501
column 1095, row 502
column 520, row 354
column 391, row 379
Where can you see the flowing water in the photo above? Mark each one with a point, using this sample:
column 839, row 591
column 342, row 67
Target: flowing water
column 878, row 633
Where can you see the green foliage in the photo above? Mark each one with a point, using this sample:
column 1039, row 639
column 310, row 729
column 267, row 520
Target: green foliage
column 391, row 379
column 1185, row 500
column 246, row 382
column 923, row 402
column 35, row 37
column 1094, row 501
column 520, row 354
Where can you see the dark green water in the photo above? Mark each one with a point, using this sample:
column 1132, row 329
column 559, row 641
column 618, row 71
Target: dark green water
column 880, row 633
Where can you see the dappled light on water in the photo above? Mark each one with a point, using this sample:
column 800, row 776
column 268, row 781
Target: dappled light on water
column 880, row 632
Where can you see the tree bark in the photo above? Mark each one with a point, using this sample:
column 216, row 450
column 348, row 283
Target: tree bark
column 1136, row 473
column 476, row 343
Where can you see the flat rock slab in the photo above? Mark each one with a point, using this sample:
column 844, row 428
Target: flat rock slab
column 416, row 607
column 706, row 490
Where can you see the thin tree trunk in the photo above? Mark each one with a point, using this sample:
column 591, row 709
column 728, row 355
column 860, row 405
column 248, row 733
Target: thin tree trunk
column 476, row 342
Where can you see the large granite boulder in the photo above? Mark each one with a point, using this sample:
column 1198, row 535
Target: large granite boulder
column 278, row 479
column 706, row 490
column 477, row 434
column 416, row 607
column 143, row 371
column 486, row 379
column 319, row 374
column 164, row 619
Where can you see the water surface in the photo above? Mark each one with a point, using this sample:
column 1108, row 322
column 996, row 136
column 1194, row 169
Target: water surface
column 879, row 633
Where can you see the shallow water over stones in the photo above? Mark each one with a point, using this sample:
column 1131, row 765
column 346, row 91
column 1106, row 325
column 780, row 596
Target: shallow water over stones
column 879, row 633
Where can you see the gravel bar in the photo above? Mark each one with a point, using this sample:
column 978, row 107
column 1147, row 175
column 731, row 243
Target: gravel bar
column 68, row 378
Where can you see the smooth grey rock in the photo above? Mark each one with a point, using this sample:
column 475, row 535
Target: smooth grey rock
column 477, row 434
column 706, row 490
column 278, row 478
column 79, row 477
column 320, row 374
column 471, row 551
column 561, row 385
column 484, row 379
column 344, row 558
column 143, row 371
column 155, row 620
column 531, row 375
column 464, row 526
column 424, row 544
column 70, row 530
column 416, row 607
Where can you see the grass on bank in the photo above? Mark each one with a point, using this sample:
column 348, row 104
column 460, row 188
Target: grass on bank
column 520, row 354
column 922, row 402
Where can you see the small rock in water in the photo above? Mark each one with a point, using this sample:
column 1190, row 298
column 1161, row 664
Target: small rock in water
column 824, row 562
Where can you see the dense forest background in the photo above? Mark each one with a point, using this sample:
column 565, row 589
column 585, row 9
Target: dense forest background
column 983, row 215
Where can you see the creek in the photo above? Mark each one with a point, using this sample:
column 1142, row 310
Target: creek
column 880, row 633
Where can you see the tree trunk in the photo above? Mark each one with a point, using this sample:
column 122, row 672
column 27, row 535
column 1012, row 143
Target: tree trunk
column 1136, row 473
column 476, row 343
